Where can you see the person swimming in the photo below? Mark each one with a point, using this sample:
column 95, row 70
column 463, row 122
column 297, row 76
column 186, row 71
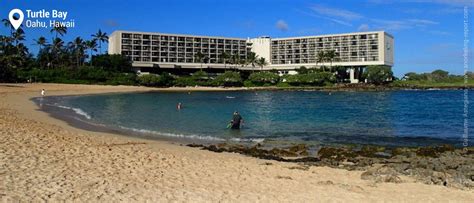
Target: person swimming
column 179, row 106
column 236, row 121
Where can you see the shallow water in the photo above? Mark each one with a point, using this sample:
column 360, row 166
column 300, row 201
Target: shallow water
column 408, row 118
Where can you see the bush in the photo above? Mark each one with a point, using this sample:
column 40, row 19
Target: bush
column 264, row 78
column 113, row 63
column 228, row 78
column 378, row 74
column 310, row 79
column 152, row 80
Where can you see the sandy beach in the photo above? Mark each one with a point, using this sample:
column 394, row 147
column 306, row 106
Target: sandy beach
column 45, row 159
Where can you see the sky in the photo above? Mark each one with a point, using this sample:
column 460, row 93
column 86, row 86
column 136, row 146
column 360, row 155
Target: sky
column 429, row 34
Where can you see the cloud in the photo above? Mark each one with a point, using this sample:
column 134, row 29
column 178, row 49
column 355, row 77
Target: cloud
column 397, row 25
column 111, row 23
column 453, row 3
column 363, row 28
column 281, row 25
column 422, row 22
column 336, row 13
column 341, row 22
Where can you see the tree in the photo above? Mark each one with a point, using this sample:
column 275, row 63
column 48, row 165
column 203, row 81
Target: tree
column 261, row 62
column 263, row 78
column 235, row 59
column 91, row 45
column 439, row 75
column 252, row 59
column 59, row 30
column 225, row 57
column 330, row 56
column 100, row 37
column 320, row 57
column 228, row 78
column 7, row 24
column 200, row 58
column 41, row 42
column 78, row 47
column 113, row 62
column 378, row 74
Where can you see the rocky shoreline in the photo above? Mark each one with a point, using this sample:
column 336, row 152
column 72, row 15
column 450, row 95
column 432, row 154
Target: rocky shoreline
column 437, row 165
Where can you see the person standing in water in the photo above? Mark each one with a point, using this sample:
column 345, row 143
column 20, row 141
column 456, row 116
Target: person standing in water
column 236, row 121
column 179, row 106
column 43, row 92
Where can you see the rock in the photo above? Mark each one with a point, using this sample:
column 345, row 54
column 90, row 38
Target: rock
column 300, row 149
column 337, row 154
column 434, row 151
column 381, row 174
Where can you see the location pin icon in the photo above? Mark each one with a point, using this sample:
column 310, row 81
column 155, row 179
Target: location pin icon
column 16, row 22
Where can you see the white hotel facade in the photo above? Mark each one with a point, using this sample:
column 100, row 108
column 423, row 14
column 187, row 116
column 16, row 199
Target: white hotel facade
column 166, row 51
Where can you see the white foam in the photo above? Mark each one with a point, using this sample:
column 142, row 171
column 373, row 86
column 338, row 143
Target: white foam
column 191, row 136
column 76, row 110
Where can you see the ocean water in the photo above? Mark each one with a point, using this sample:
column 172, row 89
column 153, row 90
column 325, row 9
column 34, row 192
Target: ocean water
column 401, row 118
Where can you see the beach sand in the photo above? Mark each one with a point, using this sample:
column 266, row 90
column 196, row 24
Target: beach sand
column 45, row 159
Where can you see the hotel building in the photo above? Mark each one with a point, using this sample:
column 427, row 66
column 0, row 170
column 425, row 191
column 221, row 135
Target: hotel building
column 159, row 50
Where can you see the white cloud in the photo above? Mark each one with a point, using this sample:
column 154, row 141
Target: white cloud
column 281, row 25
column 363, row 28
column 336, row 13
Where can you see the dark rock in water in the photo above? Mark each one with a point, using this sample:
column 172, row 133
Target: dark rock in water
column 434, row 151
column 299, row 149
column 337, row 154
column 371, row 151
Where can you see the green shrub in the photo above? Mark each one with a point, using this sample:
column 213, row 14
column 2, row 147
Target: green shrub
column 264, row 78
column 228, row 78
column 152, row 80
column 378, row 74
column 185, row 81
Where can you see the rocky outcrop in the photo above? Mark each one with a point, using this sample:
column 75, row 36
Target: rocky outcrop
column 439, row 165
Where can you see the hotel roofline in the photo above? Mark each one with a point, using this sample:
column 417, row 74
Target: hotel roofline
column 171, row 34
column 237, row 38
column 332, row 35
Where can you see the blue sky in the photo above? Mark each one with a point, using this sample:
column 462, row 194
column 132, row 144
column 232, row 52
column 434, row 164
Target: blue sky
column 428, row 33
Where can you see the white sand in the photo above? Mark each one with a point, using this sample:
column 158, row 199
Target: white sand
column 42, row 158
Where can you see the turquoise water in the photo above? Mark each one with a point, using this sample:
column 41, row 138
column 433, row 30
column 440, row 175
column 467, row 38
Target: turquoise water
column 386, row 118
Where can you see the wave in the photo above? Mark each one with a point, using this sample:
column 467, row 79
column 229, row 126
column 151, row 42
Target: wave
column 76, row 110
column 191, row 136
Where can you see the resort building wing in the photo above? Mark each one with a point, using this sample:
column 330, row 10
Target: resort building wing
column 160, row 50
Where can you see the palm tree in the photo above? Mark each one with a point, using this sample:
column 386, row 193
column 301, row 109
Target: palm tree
column 200, row 57
column 78, row 48
column 92, row 46
column 225, row 56
column 100, row 37
column 330, row 56
column 17, row 36
column 7, row 24
column 320, row 57
column 234, row 59
column 261, row 62
column 57, row 47
column 59, row 30
column 41, row 42
column 252, row 59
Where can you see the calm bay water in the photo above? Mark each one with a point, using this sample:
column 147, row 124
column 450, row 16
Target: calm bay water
column 386, row 118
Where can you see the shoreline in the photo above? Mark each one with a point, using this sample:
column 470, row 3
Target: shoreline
column 61, row 162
